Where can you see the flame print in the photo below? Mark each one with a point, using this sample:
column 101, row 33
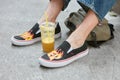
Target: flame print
column 27, row 36
column 56, row 54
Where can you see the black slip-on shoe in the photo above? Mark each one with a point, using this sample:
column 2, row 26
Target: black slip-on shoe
column 32, row 36
column 63, row 55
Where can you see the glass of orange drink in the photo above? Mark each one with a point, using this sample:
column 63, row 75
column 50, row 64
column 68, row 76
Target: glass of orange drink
column 47, row 36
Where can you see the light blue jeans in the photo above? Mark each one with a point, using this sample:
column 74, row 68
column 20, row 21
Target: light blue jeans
column 100, row 7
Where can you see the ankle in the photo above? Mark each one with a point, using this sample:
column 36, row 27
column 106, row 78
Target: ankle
column 75, row 43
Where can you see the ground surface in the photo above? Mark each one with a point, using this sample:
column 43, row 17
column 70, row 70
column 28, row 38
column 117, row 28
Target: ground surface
column 21, row 63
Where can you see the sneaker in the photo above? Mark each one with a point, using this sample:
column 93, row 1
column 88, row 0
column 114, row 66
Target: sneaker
column 32, row 36
column 63, row 55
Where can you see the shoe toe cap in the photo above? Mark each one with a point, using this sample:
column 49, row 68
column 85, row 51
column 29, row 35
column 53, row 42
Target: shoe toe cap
column 45, row 57
column 18, row 38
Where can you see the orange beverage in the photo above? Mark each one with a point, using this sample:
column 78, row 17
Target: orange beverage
column 48, row 46
column 47, row 36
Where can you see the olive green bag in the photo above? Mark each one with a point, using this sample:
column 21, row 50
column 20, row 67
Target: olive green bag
column 101, row 33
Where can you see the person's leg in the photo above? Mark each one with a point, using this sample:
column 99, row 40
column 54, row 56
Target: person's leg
column 94, row 13
column 53, row 9
column 78, row 37
column 74, row 47
column 34, row 34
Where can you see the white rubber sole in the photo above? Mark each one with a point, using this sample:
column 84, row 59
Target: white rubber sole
column 60, row 63
column 24, row 43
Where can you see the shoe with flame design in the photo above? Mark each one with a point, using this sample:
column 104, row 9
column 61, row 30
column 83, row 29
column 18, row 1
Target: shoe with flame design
column 32, row 36
column 63, row 55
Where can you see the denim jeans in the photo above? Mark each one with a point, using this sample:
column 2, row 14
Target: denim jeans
column 100, row 7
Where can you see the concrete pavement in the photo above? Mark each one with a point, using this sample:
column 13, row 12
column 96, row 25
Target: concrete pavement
column 21, row 63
